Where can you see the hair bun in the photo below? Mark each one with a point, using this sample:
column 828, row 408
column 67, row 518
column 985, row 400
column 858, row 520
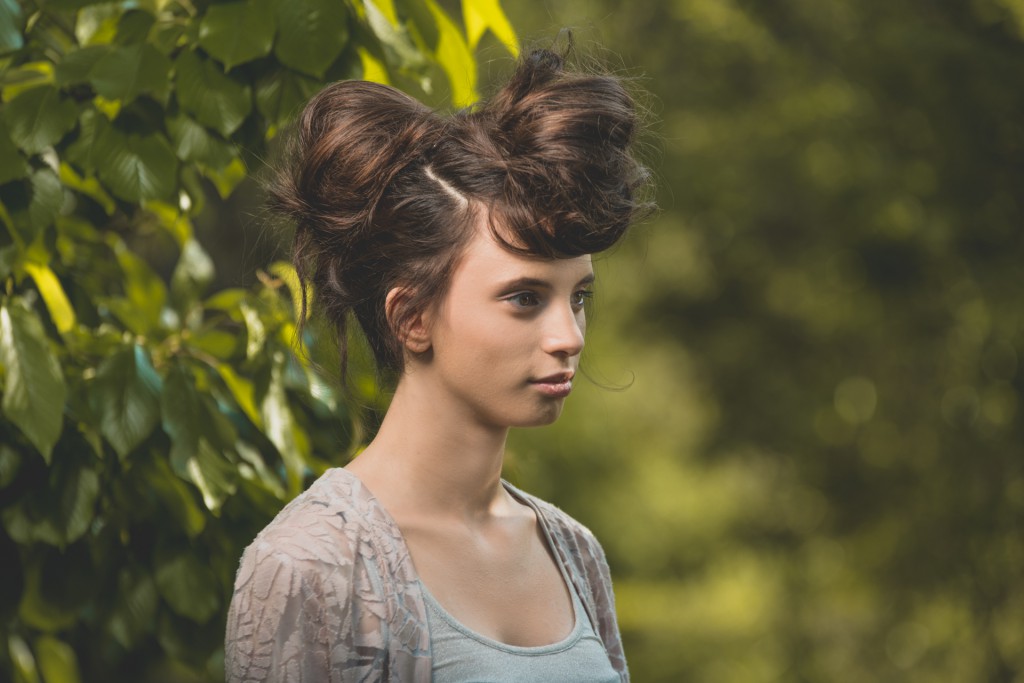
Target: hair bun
column 566, row 138
column 352, row 139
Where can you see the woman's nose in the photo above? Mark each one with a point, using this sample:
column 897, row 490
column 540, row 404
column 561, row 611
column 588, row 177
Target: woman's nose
column 564, row 331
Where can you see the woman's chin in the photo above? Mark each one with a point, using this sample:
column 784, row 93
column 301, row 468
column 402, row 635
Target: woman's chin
column 548, row 415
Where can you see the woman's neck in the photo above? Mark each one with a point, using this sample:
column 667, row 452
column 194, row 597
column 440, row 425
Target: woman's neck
column 432, row 458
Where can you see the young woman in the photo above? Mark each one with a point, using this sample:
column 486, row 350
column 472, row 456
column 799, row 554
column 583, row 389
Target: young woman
column 462, row 246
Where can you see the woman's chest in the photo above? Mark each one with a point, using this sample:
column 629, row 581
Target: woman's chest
column 506, row 585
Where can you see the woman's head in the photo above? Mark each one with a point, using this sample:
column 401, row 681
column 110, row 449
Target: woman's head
column 386, row 193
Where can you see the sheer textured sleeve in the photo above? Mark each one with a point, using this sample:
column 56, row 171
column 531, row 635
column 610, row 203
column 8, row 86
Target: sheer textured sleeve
column 604, row 599
column 327, row 593
column 278, row 622
column 309, row 604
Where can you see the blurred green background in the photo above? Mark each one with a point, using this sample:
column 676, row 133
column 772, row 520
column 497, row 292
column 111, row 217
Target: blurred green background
column 803, row 443
column 817, row 471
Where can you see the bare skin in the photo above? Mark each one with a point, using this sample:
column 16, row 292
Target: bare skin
column 490, row 357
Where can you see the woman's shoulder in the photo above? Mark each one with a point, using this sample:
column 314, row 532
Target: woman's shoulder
column 562, row 526
column 326, row 524
column 320, row 588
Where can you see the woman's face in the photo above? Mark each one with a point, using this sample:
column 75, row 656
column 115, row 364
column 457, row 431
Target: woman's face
column 506, row 339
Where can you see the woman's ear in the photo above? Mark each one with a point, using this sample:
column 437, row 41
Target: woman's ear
column 415, row 333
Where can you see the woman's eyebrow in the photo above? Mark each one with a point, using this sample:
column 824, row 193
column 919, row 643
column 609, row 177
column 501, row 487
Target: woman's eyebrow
column 526, row 282
column 538, row 283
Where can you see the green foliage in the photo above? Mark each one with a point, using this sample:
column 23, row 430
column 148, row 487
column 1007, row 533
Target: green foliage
column 11, row 21
column 237, row 32
column 33, row 381
column 310, row 34
column 39, row 117
column 151, row 427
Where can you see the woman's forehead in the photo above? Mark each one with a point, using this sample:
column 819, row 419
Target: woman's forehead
column 485, row 259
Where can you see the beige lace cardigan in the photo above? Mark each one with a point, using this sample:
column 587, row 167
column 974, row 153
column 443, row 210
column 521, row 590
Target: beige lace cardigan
column 328, row 593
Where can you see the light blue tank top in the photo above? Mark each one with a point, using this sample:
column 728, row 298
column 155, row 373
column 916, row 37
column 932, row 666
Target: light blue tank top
column 461, row 655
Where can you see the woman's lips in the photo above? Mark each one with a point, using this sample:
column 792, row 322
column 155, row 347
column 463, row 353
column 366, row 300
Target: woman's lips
column 557, row 386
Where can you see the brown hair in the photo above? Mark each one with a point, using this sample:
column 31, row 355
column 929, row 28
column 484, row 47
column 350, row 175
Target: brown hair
column 384, row 191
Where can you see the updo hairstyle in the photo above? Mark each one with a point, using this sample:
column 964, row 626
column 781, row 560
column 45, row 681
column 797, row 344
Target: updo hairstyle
column 385, row 192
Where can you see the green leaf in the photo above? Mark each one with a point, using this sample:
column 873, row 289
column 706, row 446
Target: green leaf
column 398, row 46
column 322, row 392
column 481, row 15
column 57, row 661
column 212, row 474
column 174, row 496
column 97, row 24
column 39, row 117
column 186, row 583
column 455, row 58
column 12, row 22
column 167, row 37
column 227, row 300
column 252, row 467
column 170, row 218
column 218, row 428
column 286, row 272
column 145, row 293
column 135, row 607
column 136, row 167
column 25, row 77
column 243, row 392
column 31, row 206
column 126, row 395
column 22, row 661
column 226, row 179
column 70, row 5
column 310, row 34
column 10, row 256
column 134, row 26
column 143, row 287
column 39, row 608
column 58, row 584
column 371, row 68
column 187, row 642
column 77, row 65
column 62, row 511
column 127, row 72
column 238, row 32
column 217, row 343
column 88, row 186
column 10, row 464
column 280, row 94
column 12, row 164
column 61, row 313
column 193, row 142
column 215, row 100
column 47, row 198
column 92, row 127
column 385, row 8
column 193, row 273
column 280, row 426
column 34, row 389
column 256, row 331
column 179, row 409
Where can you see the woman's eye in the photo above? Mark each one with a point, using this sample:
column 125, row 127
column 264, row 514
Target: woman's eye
column 579, row 299
column 524, row 299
